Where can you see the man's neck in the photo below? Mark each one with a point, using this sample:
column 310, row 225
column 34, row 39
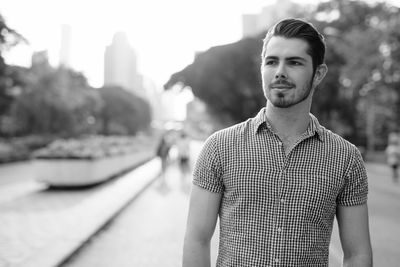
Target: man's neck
column 288, row 123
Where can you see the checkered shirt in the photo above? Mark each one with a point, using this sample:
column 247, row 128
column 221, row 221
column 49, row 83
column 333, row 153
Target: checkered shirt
column 277, row 209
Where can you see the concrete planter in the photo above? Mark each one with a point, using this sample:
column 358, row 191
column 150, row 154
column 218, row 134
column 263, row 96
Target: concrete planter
column 85, row 172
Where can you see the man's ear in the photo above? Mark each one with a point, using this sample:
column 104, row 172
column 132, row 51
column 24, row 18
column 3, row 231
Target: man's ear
column 320, row 73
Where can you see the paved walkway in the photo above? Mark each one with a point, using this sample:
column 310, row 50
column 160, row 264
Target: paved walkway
column 148, row 233
column 41, row 227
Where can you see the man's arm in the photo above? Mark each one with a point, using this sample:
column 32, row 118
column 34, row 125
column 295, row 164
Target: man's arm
column 354, row 235
column 202, row 218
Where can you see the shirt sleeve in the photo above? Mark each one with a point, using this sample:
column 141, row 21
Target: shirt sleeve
column 207, row 171
column 355, row 189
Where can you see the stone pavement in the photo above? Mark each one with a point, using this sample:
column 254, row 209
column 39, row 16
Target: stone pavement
column 41, row 227
column 148, row 232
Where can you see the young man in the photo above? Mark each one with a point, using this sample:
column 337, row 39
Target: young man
column 277, row 180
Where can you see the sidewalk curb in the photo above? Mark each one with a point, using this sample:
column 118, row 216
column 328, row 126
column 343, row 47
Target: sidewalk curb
column 100, row 208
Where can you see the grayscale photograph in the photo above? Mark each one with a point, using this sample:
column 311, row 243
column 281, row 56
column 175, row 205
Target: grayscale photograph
column 200, row 133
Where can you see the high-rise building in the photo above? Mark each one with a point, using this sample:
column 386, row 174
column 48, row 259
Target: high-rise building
column 250, row 25
column 65, row 46
column 254, row 24
column 120, row 65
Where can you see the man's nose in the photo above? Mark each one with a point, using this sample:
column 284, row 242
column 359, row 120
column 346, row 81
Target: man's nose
column 280, row 72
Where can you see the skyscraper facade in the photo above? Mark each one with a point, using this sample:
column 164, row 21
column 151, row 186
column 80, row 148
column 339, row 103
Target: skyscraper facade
column 254, row 24
column 120, row 65
column 65, row 46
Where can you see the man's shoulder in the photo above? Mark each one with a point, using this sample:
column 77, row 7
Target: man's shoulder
column 335, row 140
column 234, row 131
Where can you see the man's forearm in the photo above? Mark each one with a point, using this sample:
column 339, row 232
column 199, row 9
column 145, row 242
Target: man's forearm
column 358, row 261
column 196, row 254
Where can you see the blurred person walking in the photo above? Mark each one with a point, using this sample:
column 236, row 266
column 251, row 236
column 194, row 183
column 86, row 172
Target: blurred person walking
column 277, row 180
column 162, row 152
column 393, row 155
column 183, row 146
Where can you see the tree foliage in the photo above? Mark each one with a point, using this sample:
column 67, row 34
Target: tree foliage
column 58, row 102
column 225, row 78
column 9, row 76
column 122, row 112
column 367, row 37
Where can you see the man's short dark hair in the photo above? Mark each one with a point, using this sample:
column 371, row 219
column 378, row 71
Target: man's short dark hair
column 297, row 28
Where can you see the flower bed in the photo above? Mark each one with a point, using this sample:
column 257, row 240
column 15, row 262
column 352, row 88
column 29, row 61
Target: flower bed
column 20, row 148
column 90, row 160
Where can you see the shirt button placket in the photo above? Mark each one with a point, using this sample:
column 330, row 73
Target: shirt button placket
column 281, row 182
column 276, row 260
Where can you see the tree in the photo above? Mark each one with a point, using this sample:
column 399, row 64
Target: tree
column 123, row 112
column 367, row 37
column 57, row 102
column 227, row 79
column 9, row 76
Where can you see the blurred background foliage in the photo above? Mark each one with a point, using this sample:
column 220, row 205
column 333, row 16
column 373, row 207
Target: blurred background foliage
column 43, row 103
column 359, row 98
column 122, row 113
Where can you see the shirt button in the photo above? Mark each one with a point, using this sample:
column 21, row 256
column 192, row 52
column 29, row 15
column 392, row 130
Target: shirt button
column 279, row 229
column 282, row 200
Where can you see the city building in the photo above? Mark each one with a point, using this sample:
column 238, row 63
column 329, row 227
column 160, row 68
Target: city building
column 65, row 46
column 40, row 62
column 254, row 24
column 120, row 66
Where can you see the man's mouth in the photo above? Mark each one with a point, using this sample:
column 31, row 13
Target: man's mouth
column 281, row 87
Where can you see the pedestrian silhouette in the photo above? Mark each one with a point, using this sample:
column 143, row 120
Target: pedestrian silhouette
column 393, row 155
column 163, row 149
column 183, row 146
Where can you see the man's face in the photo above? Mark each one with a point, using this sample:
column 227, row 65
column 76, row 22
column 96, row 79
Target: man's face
column 287, row 72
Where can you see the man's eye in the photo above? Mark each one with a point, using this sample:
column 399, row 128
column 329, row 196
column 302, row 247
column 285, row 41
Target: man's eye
column 295, row 63
column 270, row 62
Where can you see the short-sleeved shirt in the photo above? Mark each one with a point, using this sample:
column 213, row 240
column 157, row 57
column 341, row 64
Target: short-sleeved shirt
column 278, row 209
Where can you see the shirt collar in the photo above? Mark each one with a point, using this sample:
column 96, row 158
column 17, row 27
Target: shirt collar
column 259, row 120
column 314, row 128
